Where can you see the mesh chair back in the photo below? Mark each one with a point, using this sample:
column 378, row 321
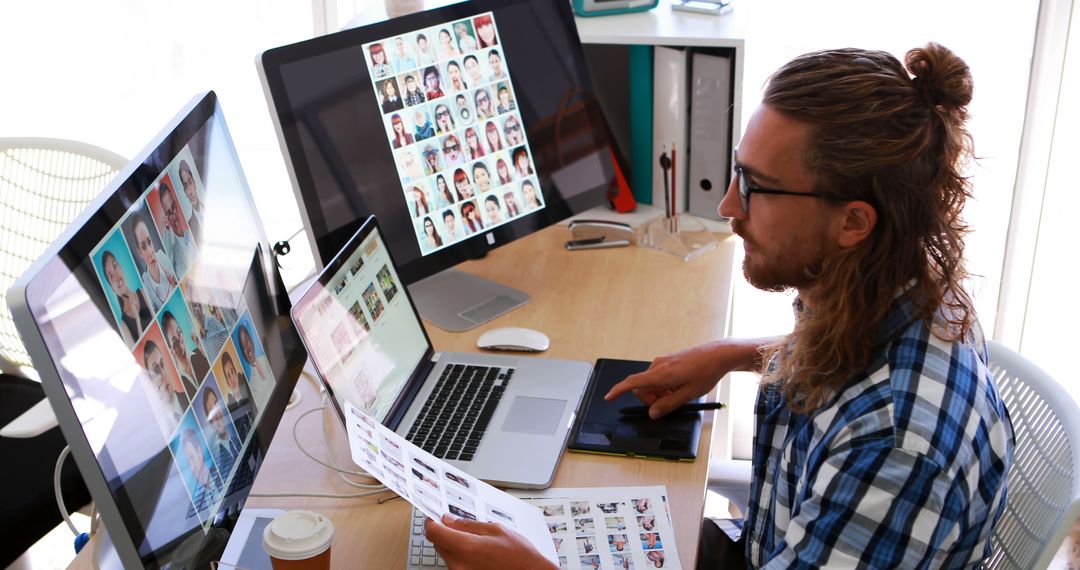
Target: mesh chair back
column 1043, row 485
column 44, row 184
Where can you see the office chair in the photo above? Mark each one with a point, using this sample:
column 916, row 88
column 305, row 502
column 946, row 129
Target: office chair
column 1044, row 480
column 730, row 478
column 44, row 184
column 1043, row 486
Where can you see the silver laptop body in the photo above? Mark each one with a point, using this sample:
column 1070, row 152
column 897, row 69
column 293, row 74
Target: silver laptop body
column 364, row 333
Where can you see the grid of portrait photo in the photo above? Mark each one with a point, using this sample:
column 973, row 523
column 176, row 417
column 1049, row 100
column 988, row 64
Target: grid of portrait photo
column 611, row 528
column 203, row 368
column 452, row 120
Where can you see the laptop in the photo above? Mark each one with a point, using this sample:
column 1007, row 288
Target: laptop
column 502, row 419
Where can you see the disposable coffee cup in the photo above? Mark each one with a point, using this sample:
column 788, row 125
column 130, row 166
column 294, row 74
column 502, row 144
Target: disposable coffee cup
column 299, row 540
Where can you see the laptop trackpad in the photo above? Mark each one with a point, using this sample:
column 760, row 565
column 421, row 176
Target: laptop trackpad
column 538, row 416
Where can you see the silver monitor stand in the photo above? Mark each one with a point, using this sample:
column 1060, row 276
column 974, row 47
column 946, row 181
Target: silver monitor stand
column 456, row 301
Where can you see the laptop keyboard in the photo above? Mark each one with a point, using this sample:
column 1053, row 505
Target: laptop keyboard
column 456, row 414
column 421, row 552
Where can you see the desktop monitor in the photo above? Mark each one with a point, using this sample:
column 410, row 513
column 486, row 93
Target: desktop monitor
column 161, row 331
column 461, row 128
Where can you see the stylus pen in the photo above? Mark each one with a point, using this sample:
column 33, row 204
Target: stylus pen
column 674, row 189
column 685, row 408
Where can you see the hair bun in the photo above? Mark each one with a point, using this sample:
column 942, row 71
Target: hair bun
column 940, row 78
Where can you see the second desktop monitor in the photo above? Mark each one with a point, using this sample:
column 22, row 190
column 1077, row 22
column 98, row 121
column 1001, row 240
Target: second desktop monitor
column 461, row 128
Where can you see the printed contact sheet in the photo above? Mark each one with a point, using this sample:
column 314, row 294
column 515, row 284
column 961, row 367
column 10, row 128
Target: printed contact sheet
column 435, row 487
column 617, row 528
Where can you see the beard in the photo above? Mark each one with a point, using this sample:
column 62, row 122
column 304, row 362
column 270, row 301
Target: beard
column 797, row 266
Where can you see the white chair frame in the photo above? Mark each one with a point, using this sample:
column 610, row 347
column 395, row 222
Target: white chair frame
column 1043, row 485
column 44, row 184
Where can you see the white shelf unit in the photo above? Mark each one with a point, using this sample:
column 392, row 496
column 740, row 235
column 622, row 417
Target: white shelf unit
column 663, row 26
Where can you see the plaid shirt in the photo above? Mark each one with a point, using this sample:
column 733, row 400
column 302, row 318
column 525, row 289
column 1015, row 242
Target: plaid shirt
column 904, row 468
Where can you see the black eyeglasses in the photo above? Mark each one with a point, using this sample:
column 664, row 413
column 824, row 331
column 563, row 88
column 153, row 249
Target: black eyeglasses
column 746, row 189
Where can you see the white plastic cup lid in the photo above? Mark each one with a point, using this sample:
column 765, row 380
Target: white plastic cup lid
column 297, row 535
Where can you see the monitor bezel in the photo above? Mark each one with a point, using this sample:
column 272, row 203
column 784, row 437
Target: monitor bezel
column 325, row 244
column 28, row 290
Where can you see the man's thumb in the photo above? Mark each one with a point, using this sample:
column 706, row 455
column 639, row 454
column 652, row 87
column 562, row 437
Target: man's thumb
column 466, row 525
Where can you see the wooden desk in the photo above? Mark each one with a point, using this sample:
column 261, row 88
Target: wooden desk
column 620, row 303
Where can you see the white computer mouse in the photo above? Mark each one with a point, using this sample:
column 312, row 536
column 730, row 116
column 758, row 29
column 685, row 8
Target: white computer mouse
column 514, row 338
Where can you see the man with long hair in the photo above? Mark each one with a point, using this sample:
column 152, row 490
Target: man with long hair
column 881, row 440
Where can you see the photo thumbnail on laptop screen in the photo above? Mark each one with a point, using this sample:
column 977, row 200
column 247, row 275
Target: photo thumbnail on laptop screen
column 452, row 121
column 361, row 330
column 186, row 322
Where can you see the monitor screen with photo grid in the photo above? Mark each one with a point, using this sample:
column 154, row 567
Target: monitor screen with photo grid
column 461, row 128
column 160, row 327
column 452, row 120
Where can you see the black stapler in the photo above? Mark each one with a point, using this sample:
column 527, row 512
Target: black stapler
column 595, row 234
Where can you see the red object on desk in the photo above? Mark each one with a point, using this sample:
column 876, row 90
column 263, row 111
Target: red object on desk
column 619, row 194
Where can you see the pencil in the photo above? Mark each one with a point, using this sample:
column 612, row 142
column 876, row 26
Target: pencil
column 674, row 215
column 685, row 408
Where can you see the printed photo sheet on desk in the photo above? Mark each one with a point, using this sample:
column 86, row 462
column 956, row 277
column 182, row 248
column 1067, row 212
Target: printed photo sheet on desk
column 433, row 486
column 617, row 528
column 604, row 527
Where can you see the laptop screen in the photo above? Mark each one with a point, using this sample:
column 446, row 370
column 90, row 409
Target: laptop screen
column 360, row 328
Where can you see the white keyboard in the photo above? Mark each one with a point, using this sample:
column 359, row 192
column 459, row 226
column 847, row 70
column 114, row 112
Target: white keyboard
column 421, row 552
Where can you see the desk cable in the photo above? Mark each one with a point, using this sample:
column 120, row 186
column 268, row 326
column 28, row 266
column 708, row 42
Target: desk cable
column 81, row 538
column 341, row 473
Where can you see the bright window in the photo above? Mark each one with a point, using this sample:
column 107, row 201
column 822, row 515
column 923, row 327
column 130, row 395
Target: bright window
column 112, row 73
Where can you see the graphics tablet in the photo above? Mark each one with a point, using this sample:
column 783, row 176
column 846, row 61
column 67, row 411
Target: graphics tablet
column 600, row 428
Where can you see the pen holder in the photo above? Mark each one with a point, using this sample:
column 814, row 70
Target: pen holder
column 680, row 235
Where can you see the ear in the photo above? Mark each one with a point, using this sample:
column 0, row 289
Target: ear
column 857, row 221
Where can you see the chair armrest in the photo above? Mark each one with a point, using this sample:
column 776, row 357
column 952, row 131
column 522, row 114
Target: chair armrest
column 32, row 423
column 731, row 478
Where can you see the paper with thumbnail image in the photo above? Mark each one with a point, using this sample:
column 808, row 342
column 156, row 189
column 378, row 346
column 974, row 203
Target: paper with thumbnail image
column 610, row 528
column 434, row 486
